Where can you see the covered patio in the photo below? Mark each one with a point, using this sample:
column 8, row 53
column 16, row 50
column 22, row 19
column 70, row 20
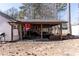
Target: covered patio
column 40, row 26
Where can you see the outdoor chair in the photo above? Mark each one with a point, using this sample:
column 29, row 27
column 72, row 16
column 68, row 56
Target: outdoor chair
column 2, row 35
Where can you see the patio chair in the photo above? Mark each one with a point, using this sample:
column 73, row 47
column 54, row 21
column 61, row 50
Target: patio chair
column 2, row 35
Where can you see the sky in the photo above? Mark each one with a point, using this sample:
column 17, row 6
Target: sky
column 6, row 6
column 74, row 10
column 74, row 13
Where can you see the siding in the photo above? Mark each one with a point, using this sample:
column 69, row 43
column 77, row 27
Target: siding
column 5, row 27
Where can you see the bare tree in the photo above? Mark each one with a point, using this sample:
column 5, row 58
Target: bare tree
column 60, row 7
column 42, row 10
column 13, row 12
column 38, row 10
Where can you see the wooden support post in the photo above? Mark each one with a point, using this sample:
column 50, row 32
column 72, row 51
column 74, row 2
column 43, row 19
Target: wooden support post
column 18, row 32
column 20, row 29
column 11, row 32
column 48, row 29
column 70, row 19
column 24, row 31
column 41, row 32
column 61, row 30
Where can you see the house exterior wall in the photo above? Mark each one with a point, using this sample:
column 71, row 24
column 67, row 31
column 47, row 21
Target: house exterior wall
column 6, row 28
column 15, row 34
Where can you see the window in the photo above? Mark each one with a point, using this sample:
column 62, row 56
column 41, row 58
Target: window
column 64, row 26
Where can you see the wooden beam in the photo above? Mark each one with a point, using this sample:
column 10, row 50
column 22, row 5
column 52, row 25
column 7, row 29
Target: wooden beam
column 11, row 32
column 61, row 30
column 70, row 19
column 20, row 31
column 41, row 32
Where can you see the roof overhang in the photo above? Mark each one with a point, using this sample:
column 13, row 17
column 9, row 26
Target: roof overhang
column 41, row 21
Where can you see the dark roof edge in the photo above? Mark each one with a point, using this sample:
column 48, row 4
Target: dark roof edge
column 7, row 16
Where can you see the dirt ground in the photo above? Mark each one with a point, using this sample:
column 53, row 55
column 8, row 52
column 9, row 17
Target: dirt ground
column 30, row 48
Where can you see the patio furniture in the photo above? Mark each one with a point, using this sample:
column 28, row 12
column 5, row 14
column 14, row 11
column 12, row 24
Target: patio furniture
column 2, row 35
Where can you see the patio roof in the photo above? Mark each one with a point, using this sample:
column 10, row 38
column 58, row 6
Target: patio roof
column 42, row 21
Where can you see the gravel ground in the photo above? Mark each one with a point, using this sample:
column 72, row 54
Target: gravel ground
column 53, row 48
